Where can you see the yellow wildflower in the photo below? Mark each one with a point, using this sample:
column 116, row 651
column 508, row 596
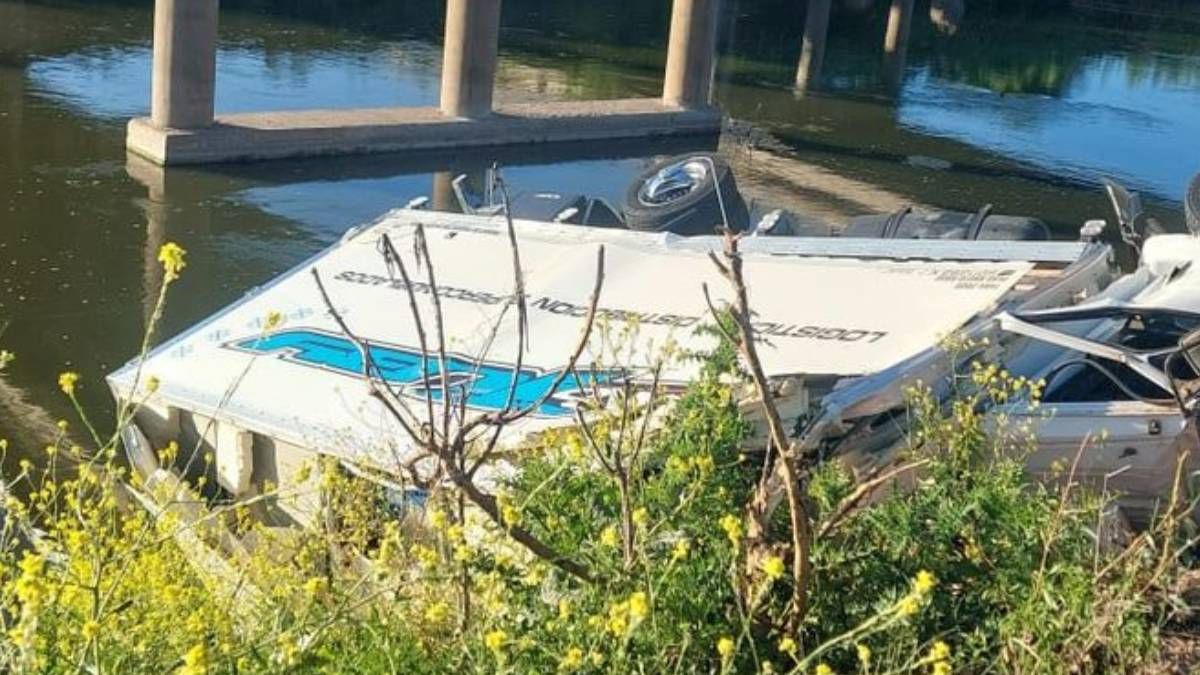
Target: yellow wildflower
column 823, row 669
column 732, row 527
column 725, row 647
column 274, row 319
column 908, row 605
column 618, row 618
column 90, row 630
column 924, row 582
column 195, row 661
column 287, row 650
column 572, row 659
column 788, row 646
column 939, row 652
column 564, row 608
column 942, row 668
column 676, row 465
column 510, row 515
column 596, row 658
column 681, row 550
column 495, row 640
column 864, row 654
column 152, row 384
column 609, row 537
column 463, row 553
column 426, row 556
column 534, row 576
column 641, row 516
column 437, row 519
column 639, row 607
column 437, row 612
column 171, row 257
column 315, row 586
column 773, row 567
column 67, row 382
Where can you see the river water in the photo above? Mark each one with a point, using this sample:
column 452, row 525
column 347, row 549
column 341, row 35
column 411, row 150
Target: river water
column 1024, row 110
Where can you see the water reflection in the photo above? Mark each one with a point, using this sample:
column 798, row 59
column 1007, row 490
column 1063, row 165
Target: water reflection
column 320, row 199
column 115, row 82
column 1111, row 117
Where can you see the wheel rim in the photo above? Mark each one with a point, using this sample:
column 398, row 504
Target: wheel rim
column 673, row 182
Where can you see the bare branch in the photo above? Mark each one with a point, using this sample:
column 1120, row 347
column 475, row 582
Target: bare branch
column 585, row 333
column 864, row 490
column 641, row 439
column 367, row 359
column 392, row 258
column 590, row 437
column 522, row 312
column 450, row 450
column 721, row 267
column 758, row 511
column 488, row 504
column 422, row 247
column 716, row 315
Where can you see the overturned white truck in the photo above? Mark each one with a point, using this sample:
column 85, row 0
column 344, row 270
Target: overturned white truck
column 853, row 321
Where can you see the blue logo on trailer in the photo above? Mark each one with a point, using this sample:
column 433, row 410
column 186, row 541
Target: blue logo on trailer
column 486, row 385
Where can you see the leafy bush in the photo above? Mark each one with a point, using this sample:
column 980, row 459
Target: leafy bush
column 959, row 564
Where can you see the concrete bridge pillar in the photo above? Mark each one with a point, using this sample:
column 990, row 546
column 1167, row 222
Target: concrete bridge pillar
column 185, row 63
column 469, row 57
column 442, row 198
column 691, row 54
column 895, row 43
column 812, row 51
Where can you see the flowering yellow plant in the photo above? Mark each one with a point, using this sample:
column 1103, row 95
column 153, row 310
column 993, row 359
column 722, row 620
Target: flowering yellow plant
column 171, row 256
column 67, row 382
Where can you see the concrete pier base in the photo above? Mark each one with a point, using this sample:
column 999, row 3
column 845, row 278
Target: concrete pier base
column 310, row 133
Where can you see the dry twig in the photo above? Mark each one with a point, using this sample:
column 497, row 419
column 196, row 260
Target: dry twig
column 785, row 460
column 449, row 440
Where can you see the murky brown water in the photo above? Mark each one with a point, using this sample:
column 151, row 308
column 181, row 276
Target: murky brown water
column 1023, row 115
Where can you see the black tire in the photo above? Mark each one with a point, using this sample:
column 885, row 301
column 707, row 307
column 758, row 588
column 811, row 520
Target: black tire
column 695, row 212
column 1191, row 205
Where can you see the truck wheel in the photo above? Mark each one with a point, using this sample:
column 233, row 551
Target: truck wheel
column 680, row 196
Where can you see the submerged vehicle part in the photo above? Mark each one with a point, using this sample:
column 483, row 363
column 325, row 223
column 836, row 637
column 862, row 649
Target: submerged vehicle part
column 982, row 225
column 689, row 194
column 695, row 194
column 550, row 207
